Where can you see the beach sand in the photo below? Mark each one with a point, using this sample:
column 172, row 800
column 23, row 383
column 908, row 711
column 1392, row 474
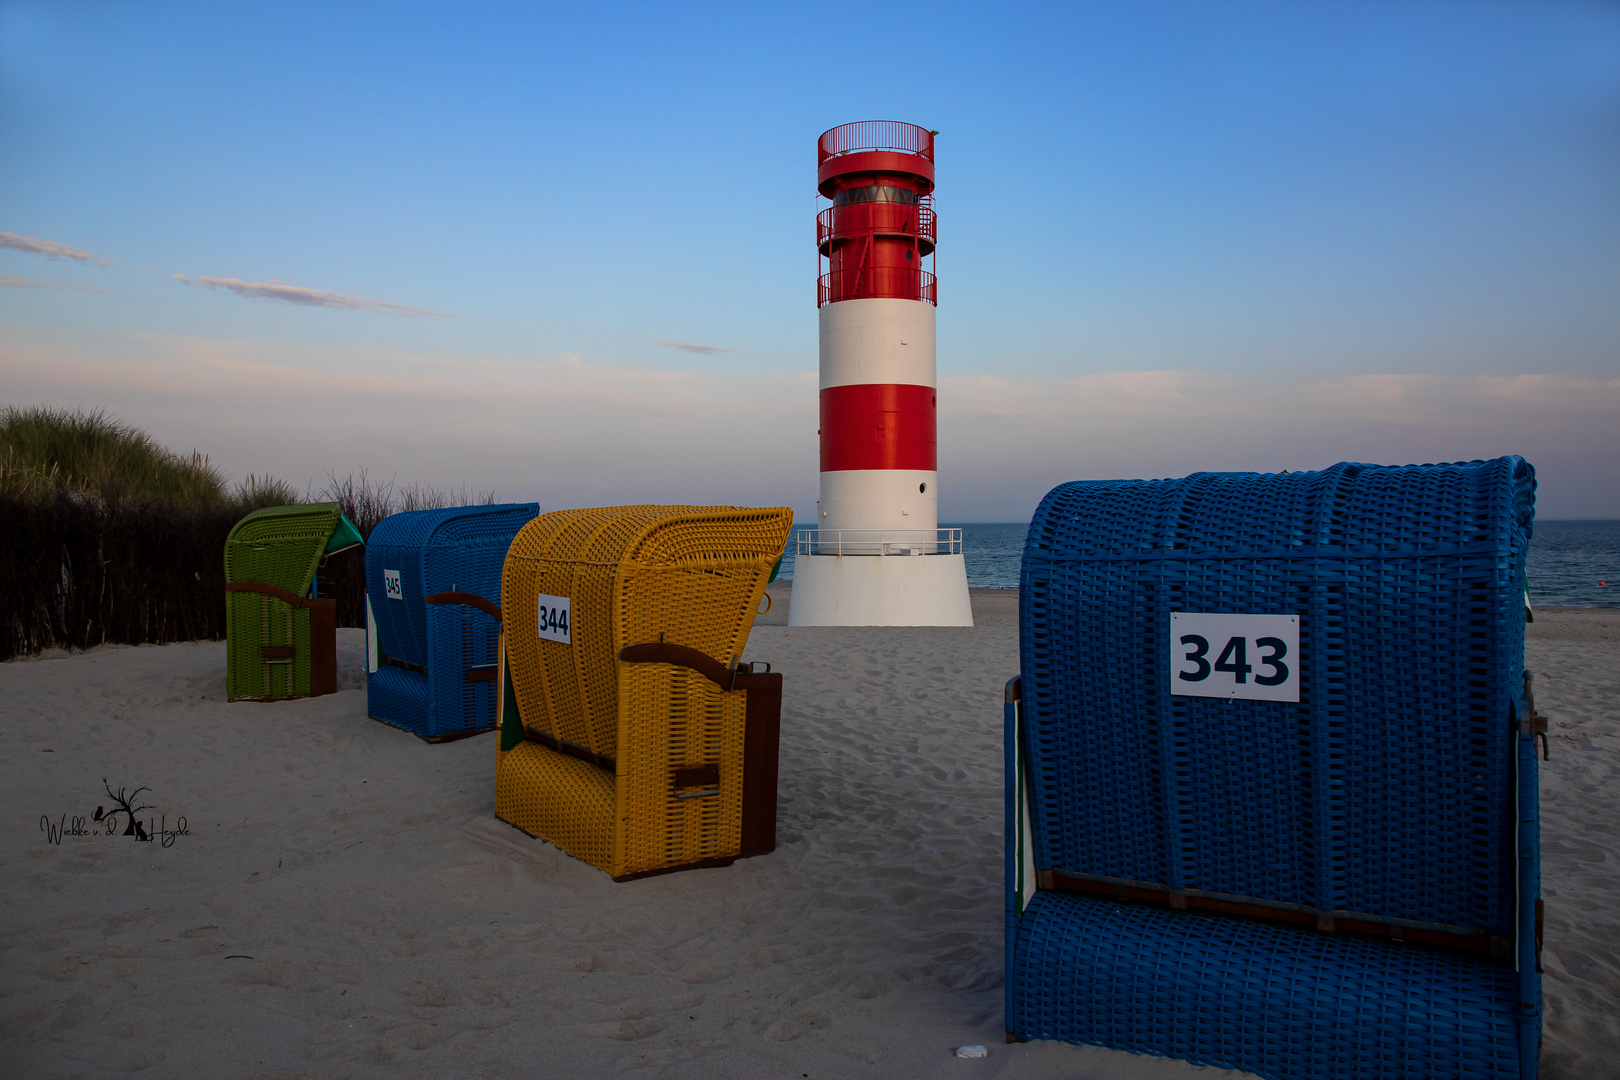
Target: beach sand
column 345, row 904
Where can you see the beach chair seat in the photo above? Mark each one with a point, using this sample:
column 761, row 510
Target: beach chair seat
column 431, row 667
column 1256, row 996
column 280, row 638
column 1296, row 700
column 632, row 736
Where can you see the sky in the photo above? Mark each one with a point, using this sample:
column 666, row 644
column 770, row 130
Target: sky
column 565, row 253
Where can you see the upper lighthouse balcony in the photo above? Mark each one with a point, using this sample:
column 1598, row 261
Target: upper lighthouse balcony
column 875, row 146
column 880, row 228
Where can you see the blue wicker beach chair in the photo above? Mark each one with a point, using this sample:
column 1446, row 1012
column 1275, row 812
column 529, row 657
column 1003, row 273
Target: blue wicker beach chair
column 432, row 666
column 1271, row 791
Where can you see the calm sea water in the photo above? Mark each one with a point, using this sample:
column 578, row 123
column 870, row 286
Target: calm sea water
column 1568, row 559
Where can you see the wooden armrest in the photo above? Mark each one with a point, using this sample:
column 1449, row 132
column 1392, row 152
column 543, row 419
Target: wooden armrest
column 270, row 590
column 658, row 652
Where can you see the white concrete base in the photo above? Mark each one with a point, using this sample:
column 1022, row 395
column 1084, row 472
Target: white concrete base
column 880, row 590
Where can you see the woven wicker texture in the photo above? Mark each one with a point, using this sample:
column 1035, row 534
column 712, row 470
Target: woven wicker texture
column 678, row 719
column 397, row 696
column 560, row 799
column 683, row 575
column 456, row 549
column 281, row 546
column 1389, row 789
column 1281, row 1003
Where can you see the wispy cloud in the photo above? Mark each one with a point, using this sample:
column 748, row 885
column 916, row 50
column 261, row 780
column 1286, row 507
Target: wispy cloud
column 48, row 248
column 280, row 292
column 25, row 283
column 606, row 432
column 687, row 346
column 619, row 433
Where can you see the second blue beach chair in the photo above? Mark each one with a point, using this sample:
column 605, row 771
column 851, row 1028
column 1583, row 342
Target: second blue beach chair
column 431, row 667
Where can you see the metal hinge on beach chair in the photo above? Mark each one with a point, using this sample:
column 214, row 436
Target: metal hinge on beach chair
column 1534, row 724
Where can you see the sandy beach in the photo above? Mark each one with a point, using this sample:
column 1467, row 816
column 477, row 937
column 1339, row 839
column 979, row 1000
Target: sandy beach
column 344, row 903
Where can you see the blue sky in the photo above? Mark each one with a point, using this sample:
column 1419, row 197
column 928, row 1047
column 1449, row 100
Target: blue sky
column 464, row 248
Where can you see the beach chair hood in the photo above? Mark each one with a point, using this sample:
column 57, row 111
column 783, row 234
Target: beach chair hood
column 285, row 545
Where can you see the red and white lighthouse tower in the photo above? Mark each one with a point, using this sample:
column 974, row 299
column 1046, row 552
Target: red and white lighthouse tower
column 877, row 556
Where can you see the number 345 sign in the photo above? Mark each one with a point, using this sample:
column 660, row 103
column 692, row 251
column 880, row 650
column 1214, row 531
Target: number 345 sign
column 1234, row 656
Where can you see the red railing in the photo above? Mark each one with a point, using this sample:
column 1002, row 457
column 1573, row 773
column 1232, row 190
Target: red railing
column 866, row 282
column 875, row 135
column 892, row 219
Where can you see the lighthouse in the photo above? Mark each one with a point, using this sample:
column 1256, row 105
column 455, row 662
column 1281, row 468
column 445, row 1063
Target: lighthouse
column 876, row 555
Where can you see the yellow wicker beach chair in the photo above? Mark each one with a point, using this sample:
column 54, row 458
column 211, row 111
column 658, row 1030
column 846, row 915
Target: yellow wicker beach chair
column 630, row 736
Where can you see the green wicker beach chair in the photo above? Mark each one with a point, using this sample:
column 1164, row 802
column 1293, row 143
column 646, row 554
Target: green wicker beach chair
column 281, row 642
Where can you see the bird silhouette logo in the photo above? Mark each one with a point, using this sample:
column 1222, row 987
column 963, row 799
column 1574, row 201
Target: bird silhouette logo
column 123, row 803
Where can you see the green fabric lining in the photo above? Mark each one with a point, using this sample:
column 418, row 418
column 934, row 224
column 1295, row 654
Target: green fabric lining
column 344, row 537
column 511, row 724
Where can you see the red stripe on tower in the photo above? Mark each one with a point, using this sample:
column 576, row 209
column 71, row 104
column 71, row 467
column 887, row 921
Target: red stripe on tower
column 877, row 426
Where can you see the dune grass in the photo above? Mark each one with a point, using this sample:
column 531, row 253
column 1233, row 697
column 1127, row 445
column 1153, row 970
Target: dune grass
column 44, row 451
column 114, row 538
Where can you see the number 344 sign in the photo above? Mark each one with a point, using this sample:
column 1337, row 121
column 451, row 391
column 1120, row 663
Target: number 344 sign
column 554, row 619
column 1234, row 656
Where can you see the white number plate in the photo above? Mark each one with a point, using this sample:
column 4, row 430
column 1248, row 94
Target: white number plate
column 554, row 619
column 391, row 585
column 1234, row 656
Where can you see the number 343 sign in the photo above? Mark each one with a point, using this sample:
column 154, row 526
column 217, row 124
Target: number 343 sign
column 1234, row 656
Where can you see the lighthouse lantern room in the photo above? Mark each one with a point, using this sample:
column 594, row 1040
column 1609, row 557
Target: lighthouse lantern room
column 876, row 556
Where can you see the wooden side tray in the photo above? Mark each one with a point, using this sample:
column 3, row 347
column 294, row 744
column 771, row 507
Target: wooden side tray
column 762, row 740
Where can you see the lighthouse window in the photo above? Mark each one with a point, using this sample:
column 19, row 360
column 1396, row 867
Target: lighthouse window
column 877, row 194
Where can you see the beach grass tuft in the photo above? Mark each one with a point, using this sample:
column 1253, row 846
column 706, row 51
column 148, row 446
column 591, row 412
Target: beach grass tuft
column 44, row 451
column 116, row 538
column 367, row 501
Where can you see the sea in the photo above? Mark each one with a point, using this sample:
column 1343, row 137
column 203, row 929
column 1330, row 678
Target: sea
column 1572, row 563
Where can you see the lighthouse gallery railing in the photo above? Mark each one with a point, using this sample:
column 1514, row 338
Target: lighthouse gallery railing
column 875, row 135
column 879, row 541
column 892, row 219
column 898, row 282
